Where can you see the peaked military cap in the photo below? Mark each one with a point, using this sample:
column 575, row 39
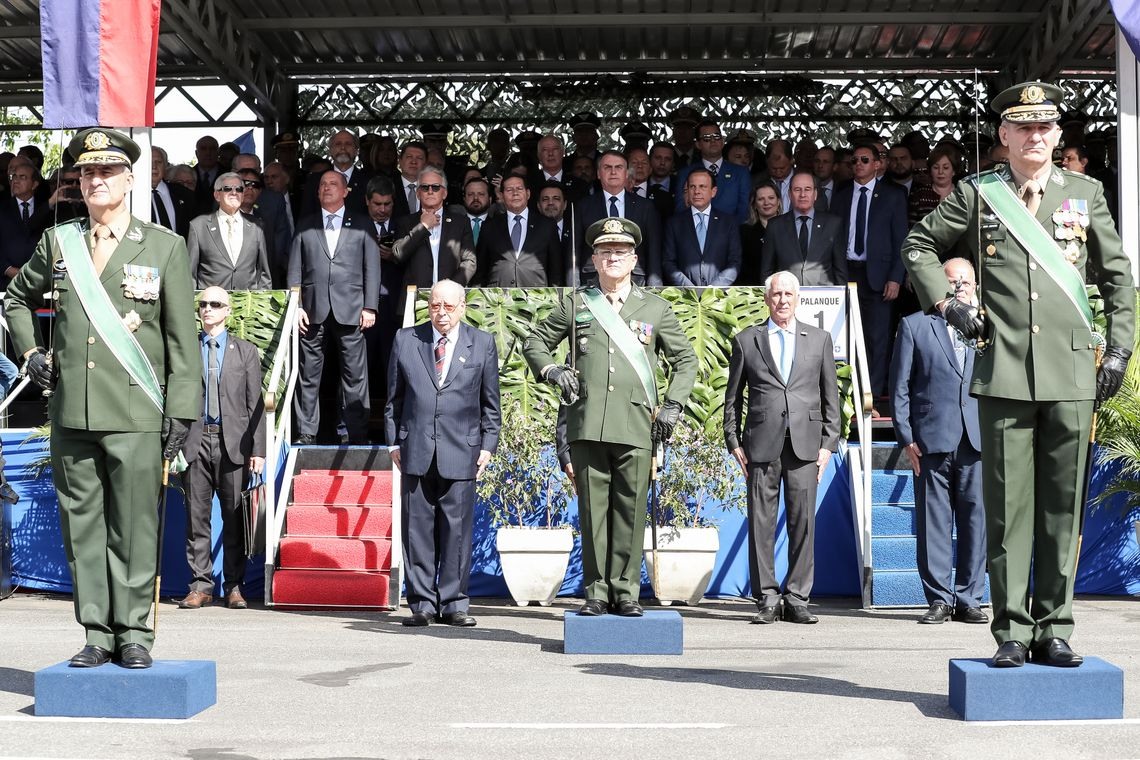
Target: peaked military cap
column 585, row 119
column 636, row 129
column 435, row 129
column 99, row 146
column 1029, row 102
column 613, row 229
column 285, row 138
column 684, row 115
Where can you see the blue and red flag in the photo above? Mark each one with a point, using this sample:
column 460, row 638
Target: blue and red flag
column 99, row 59
column 1127, row 14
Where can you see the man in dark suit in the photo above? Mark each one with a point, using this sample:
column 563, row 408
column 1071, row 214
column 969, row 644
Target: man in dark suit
column 413, row 159
column 271, row 208
column 734, row 184
column 344, row 147
column 684, row 122
column 792, row 427
column 613, row 200
column 335, row 266
column 807, row 242
column 433, row 244
column 552, row 204
column 381, row 201
column 227, row 248
column 519, row 248
column 224, row 441
column 874, row 214
column 23, row 218
column 551, row 156
column 702, row 247
column 172, row 205
column 936, row 421
column 443, row 422
column 207, row 169
column 662, row 180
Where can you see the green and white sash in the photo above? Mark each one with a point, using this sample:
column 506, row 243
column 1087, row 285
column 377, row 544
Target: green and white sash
column 623, row 337
column 1036, row 242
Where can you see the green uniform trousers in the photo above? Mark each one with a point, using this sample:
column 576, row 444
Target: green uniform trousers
column 1033, row 461
column 613, row 482
column 108, row 485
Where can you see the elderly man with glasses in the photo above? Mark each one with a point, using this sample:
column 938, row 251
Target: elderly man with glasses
column 226, row 442
column 228, row 247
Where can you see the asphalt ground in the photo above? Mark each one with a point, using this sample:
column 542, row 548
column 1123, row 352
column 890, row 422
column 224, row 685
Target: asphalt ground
column 337, row 684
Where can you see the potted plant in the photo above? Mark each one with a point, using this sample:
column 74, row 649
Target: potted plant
column 526, row 493
column 697, row 473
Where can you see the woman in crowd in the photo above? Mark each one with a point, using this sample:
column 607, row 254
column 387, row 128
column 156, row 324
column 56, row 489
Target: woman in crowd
column 765, row 205
column 944, row 166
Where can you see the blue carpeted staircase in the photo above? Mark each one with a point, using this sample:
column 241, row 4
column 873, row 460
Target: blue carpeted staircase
column 894, row 567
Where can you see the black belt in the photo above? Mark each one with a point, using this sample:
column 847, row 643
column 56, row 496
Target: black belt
column 212, row 428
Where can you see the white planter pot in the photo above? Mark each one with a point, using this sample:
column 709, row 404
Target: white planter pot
column 686, row 563
column 534, row 561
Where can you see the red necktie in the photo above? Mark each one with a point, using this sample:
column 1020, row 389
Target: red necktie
column 440, row 353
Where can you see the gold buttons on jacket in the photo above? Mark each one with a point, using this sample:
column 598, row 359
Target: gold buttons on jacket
column 991, row 249
column 90, row 365
column 1032, row 296
column 91, row 340
column 1035, row 329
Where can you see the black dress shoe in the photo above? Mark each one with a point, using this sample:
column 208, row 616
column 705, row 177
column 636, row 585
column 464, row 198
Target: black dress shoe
column 417, row 620
column 938, row 613
column 1010, row 654
column 971, row 615
column 1056, row 652
column 135, row 657
column 593, row 608
column 306, row 440
column 628, row 608
column 766, row 615
column 800, row 614
column 459, row 619
column 90, row 656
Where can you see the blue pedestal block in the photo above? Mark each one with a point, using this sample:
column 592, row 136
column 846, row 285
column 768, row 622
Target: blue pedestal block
column 658, row 632
column 169, row 689
column 978, row 691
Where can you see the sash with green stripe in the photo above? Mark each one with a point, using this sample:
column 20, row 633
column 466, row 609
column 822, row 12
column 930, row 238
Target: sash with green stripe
column 1036, row 242
column 623, row 337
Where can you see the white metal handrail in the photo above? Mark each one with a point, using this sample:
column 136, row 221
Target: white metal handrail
column 860, row 459
column 278, row 432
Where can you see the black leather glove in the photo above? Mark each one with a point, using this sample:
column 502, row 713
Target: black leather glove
column 1111, row 373
column 39, row 367
column 567, row 381
column 667, row 418
column 964, row 318
column 174, row 433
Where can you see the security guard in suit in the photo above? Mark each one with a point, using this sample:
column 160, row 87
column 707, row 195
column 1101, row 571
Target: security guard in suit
column 1031, row 230
column 112, row 277
column 612, row 413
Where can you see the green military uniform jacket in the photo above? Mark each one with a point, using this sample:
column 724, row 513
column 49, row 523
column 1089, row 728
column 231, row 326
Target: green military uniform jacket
column 1042, row 350
column 93, row 391
column 612, row 407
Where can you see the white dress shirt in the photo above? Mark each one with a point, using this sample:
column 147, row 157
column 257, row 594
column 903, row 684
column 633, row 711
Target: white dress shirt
column 774, row 331
column 332, row 237
column 851, row 255
column 511, row 225
column 620, row 202
column 232, row 242
column 434, row 236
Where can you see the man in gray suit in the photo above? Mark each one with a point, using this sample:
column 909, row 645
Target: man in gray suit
column 225, row 442
column 227, row 248
column 443, row 422
column 807, row 242
column 792, row 427
column 335, row 264
column 936, row 421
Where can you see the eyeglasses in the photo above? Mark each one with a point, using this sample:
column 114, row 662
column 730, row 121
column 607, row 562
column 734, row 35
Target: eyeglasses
column 431, row 188
column 712, row 138
column 212, row 305
column 862, row 159
column 253, row 183
column 14, row 177
column 614, row 255
column 446, row 307
column 230, row 189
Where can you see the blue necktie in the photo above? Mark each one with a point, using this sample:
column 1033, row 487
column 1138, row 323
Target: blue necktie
column 861, row 223
column 701, row 231
column 785, row 357
column 613, row 206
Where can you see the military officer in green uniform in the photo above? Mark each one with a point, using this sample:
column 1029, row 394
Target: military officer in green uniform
column 613, row 411
column 1031, row 230
column 124, row 375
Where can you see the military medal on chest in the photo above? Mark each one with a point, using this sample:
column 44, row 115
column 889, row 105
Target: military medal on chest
column 1071, row 222
column 643, row 330
column 141, row 283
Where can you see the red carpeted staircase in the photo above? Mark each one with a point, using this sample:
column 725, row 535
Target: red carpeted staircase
column 337, row 548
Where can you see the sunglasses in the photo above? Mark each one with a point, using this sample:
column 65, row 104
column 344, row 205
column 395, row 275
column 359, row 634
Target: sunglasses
column 431, row 188
column 863, row 159
column 212, row 305
column 230, row 189
column 445, row 307
column 712, row 138
column 253, row 183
